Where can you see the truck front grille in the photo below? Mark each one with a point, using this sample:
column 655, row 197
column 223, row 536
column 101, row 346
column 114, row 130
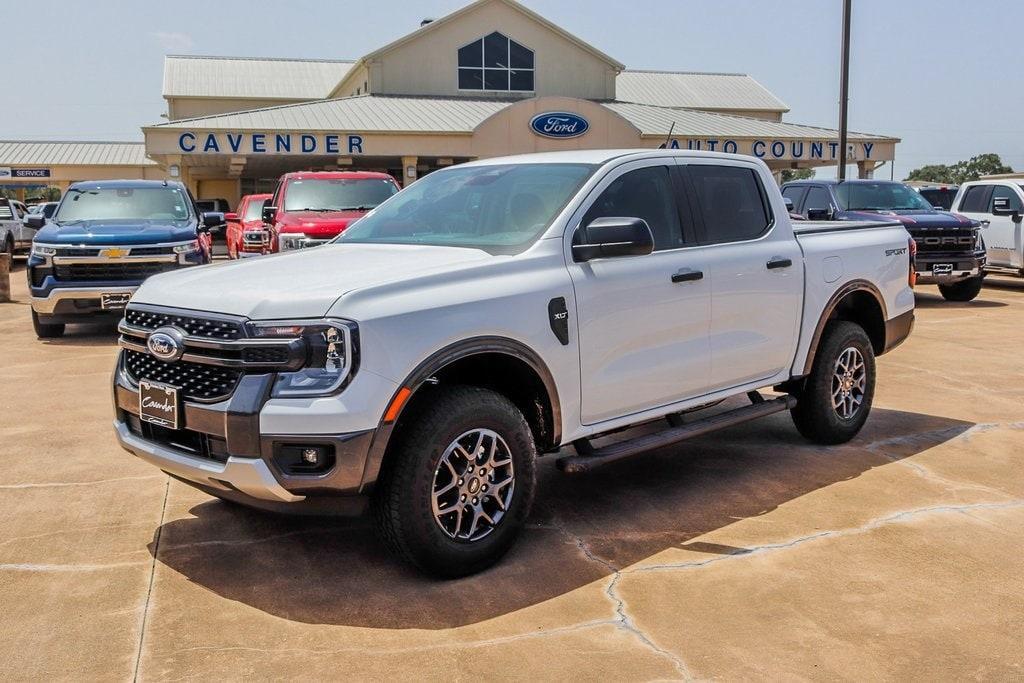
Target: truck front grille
column 195, row 326
column 110, row 270
column 945, row 239
column 196, row 381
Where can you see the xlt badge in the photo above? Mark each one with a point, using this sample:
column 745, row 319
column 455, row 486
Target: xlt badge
column 558, row 316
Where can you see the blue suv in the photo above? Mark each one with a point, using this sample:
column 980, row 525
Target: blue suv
column 104, row 239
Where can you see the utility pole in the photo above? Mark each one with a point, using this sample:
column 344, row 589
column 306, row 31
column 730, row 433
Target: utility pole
column 844, row 89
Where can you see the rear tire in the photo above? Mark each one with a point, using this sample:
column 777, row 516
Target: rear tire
column 447, row 514
column 965, row 290
column 836, row 397
column 46, row 330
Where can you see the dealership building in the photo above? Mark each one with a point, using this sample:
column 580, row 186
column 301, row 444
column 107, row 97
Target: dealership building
column 490, row 79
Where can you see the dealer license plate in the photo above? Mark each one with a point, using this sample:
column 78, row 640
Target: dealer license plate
column 942, row 268
column 115, row 300
column 158, row 403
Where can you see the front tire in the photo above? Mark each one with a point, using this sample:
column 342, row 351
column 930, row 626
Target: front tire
column 459, row 483
column 836, row 398
column 965, row 290
column 46, row 330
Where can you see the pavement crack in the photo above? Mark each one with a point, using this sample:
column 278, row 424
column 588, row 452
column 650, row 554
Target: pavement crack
column 43, row 568
column 152, row 575
column 58, row 484
column 623, row 620
column 893, row 518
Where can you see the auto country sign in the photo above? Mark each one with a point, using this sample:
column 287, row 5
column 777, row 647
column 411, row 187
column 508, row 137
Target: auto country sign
column 815, row 150
column 269, row 143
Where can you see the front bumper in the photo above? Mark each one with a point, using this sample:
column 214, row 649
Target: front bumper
column 221, row 449
column 73, row 301
column 947, row 268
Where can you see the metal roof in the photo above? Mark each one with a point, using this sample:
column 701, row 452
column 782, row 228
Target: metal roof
column 696, row 90
column 362, row 113
column 652, row 120
column 251, row 77
column 394, row 114
column 22, row 152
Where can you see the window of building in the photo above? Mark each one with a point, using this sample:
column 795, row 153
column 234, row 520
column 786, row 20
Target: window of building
column 731, row 201
column 644, row 193
column 496, row 63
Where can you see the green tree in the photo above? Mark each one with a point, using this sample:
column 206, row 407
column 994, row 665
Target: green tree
column 961, row 171
column 797, row 174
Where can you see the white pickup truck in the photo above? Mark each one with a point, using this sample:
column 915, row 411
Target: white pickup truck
column 496, row 311
column 15, row 236
column 999, row 205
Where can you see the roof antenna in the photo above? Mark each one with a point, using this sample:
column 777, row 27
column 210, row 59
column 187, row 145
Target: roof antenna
column 668, row 138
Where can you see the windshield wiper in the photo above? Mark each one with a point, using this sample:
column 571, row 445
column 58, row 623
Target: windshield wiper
column 309, row 208
column 357, row 208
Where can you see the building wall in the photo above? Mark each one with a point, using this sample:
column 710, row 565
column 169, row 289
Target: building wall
column 190, row 107
column 562, row 67
column 219, row 188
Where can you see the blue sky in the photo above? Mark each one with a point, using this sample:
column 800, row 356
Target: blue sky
column 944, row 76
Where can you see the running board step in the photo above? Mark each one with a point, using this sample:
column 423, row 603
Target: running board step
column 1004, row 270
column 578, row 464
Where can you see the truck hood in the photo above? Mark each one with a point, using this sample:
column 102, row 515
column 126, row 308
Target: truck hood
column 117, row 232
column 298, row 284
column 916, row 218
column 319, row 224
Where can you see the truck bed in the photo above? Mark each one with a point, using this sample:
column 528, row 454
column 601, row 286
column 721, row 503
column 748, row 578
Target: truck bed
column 813, row 227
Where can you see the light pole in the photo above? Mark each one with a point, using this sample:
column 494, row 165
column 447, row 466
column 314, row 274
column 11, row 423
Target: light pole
column 844, row 89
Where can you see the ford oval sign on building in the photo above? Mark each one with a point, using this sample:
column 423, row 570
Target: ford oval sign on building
column 559, row 124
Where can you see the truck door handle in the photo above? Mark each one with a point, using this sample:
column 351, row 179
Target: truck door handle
column 778, row 262
column 687, row 275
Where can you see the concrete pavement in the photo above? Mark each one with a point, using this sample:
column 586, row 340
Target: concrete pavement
column 746, row 554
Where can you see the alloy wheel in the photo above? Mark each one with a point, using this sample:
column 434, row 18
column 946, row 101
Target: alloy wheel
column 473, row 485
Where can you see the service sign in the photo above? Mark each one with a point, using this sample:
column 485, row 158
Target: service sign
column 29, row 173
column 559, row 124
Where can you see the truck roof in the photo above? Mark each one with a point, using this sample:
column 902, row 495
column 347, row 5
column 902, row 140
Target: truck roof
column 848, row 181
column 602, row 156
column 123, row 184
column 336, row 175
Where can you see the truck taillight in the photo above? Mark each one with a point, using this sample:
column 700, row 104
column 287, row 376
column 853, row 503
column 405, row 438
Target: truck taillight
column 912, row 251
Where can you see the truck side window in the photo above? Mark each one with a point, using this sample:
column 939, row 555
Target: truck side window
column 731, row 202
column 976, row 199
column 817, row 198
column 1003, row 192
column 795, row 193
column 644, row 193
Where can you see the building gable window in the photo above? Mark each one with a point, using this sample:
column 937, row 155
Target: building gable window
column 496, row 63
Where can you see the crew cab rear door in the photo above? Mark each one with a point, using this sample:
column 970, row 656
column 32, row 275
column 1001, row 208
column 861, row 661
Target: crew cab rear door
column 755, row 267
column 643, row 320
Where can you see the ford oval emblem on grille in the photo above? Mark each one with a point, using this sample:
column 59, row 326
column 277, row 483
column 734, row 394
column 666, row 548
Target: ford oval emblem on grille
column 166, row 344
column 559, row 124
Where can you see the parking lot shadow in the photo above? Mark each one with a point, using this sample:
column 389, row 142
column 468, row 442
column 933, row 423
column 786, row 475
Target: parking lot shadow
column 926, row 300
column 326, row 571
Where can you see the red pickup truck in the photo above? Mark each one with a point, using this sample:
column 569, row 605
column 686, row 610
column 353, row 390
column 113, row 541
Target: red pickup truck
column 246, row 235
column 312, row 207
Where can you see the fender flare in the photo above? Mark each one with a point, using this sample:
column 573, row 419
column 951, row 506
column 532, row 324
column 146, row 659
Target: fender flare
column 849, row 288
column 440, row 359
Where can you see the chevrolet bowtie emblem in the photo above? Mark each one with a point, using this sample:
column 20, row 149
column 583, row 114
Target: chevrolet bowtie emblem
column 114, row 253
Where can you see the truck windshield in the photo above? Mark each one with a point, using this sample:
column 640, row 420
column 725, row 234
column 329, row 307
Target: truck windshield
column 254, row 209
column 336, row 194
column 118, row 203
column 887, row 196
column 501, row 209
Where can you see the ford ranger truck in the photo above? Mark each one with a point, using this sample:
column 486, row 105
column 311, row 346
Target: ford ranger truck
column 497, row 311
column 313, row 207
column 105, row 238
column 999, row 206
column 950, row 248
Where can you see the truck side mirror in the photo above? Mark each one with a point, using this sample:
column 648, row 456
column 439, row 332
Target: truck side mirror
column 231, row 216
column 35, row 221
column 819, row 214
column 1001, row 207
column 269, row 213
column 612, row 236
column 212, row 219
column 789, row 204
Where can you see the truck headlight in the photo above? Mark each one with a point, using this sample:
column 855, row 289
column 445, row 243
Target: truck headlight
column 43, row 251
column 332, row 354
column 292, row 240
column 187, row 247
